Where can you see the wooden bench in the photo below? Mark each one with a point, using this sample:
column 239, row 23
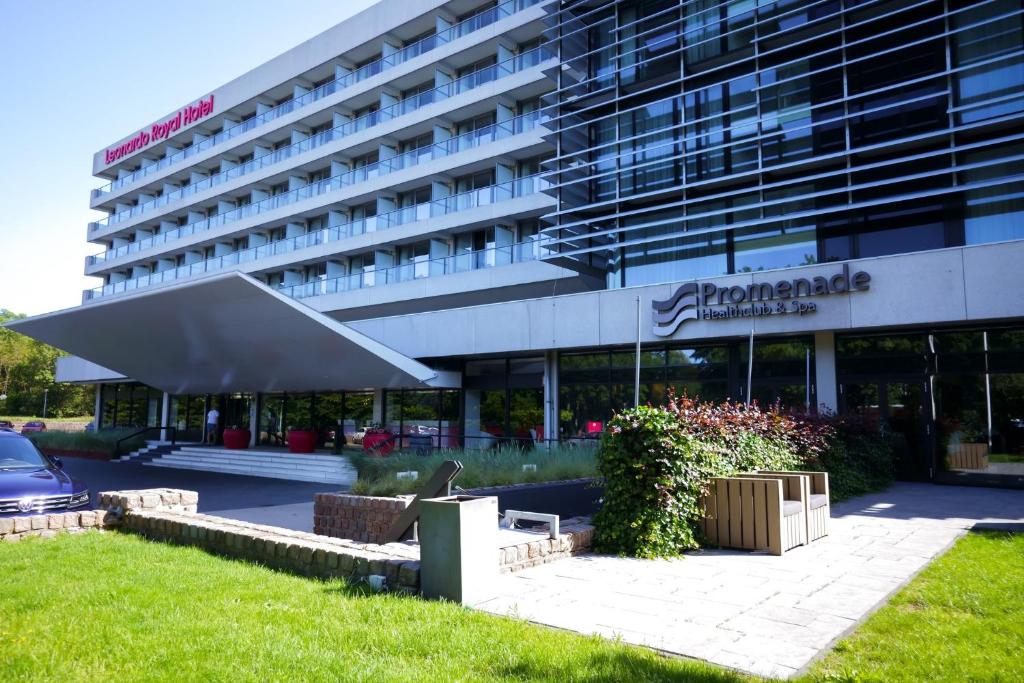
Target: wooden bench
column 819, row 509
column 756, row 512
column 967, row 456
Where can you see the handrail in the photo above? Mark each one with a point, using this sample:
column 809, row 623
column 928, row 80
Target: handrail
column 144, row 430
column 362, row 73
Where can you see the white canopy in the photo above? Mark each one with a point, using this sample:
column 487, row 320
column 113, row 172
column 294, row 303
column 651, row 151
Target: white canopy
column 226, row 333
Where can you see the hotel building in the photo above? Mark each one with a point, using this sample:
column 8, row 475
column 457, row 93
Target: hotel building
column 458, row 219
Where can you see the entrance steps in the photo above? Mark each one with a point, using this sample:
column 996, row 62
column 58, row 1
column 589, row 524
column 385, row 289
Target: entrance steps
column 277, row 464
column 152, row 449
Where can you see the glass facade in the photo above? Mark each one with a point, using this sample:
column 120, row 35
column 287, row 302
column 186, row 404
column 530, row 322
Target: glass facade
column 946, row 393
column 703, row 138
column 129, row 405
column 592, row 386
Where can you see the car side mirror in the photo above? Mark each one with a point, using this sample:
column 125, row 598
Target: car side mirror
column 58, row 463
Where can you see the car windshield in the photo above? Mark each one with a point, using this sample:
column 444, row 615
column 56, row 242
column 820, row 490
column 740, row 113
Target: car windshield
column 20, row 454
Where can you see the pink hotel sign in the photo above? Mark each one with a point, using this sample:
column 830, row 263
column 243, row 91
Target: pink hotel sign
column 160, row 131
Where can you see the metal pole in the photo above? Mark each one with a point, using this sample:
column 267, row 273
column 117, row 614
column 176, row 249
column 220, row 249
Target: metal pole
column 988, row 392
column 807, row 383
column 636, row 379
column 750, row 365
column 46, row 393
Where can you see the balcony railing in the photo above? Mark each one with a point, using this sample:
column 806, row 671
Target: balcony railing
column 439, row 207
column 406, row 272
column 409, row 104
column 481, row 136
column 465, row 27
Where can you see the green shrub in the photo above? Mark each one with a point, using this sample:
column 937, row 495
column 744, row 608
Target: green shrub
column 102, row 441
column 860, row 459
column 657, row 462
column 654, row 473
column 494, row 467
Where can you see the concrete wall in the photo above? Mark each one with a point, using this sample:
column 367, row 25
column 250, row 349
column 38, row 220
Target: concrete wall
column 957, row 285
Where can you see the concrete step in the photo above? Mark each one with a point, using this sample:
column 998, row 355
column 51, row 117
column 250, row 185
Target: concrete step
column 339, row 470
column 258, row 464
column 263, row 456
column 146, row 453
column 226, row 469
column 328, row 469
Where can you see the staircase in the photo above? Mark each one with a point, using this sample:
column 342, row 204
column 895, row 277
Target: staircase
column 327, row 469
column 152, row 449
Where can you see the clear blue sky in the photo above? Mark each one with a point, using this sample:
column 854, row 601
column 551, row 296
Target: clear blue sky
column 78, row 75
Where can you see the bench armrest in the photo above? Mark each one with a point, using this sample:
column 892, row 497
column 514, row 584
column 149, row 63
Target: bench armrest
column 795, row 485
column 819, row 480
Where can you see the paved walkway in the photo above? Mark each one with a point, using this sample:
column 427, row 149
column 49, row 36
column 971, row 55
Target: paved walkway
column 754, row 612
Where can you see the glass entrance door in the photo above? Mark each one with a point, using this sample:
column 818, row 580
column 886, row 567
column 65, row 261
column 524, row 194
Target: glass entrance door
column 901, row 406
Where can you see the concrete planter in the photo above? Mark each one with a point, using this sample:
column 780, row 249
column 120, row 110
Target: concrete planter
column 458, row 548
column 237, row 439
column 378, row 442
column 301, row 441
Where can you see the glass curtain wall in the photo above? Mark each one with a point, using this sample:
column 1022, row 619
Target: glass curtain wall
column 419, row 416
column 593, row 386
column 129, row 405
column 955, row 397
column 717, row 137
column 504, row 402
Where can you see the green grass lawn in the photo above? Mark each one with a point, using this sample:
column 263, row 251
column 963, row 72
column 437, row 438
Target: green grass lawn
column 115, row 607
column 97, row 607
column 1005, row 457
column 961, row 619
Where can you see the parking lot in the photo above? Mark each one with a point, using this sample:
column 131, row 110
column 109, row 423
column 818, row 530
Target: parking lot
column 277, row 502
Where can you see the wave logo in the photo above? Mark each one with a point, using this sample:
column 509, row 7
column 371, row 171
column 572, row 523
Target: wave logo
column 669, row 314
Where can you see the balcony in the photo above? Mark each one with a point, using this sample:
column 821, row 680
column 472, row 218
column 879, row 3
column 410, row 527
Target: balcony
column 471, row 140
column 419, row 212
column 467, row 26
column 491, row 257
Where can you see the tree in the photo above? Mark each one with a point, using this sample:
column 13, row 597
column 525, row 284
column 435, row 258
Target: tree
column 27, row 369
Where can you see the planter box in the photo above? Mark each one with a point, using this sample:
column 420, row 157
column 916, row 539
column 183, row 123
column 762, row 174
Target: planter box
column 237, row 439
column 382, row 443
column 967, row 456
column 77, row 453
column 301, row 441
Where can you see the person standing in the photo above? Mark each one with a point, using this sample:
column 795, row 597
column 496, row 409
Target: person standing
column 212, row 418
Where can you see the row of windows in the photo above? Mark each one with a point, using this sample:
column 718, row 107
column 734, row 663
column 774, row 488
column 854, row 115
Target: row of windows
column 245, row 197
column 867, row 129
column 467, row 22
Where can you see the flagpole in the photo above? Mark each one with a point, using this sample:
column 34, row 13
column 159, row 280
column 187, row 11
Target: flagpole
column 750, row 365
column 636, row 378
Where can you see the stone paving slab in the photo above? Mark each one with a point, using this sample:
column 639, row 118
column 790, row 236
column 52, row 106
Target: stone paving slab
column 754, row 612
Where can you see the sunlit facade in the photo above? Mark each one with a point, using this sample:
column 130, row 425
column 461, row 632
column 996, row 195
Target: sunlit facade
column 496, row 202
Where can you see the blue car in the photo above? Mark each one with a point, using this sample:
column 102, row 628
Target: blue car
column 31, row 482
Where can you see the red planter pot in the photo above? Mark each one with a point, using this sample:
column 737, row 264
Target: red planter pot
column 237, row 439
column 379, row 443
column 301, row 441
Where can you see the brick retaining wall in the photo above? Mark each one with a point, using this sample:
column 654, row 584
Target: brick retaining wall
column 360, row 518
column 113, row 507
column 170, row 515
column 293, row 551
column 46, row 525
